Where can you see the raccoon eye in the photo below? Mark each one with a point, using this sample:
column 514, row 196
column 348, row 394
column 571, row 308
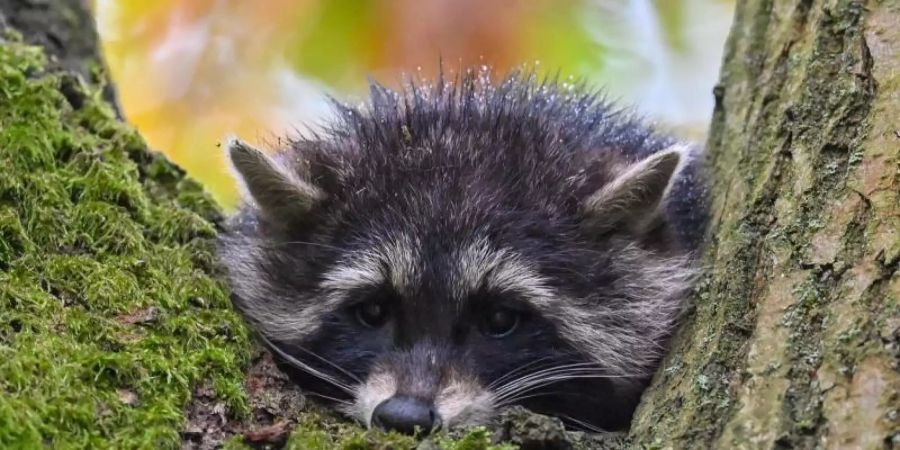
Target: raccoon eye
column 371, row 314
column 500, row 322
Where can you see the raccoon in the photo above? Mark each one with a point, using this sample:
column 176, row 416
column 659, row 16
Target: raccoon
column 455, row 247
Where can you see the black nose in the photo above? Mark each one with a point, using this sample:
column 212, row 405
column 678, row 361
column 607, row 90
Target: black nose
column 406, row 414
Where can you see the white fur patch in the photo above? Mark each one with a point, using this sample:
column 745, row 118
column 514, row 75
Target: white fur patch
column 475, row 262
column 272, row 308
column 402, row 257
column 463, row 402
column 365, row 270
column 395, row 261
column 501, row 270
column 379, row 387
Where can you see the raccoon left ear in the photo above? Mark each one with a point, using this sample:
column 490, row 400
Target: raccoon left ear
column 632, row 200
column 278, row 191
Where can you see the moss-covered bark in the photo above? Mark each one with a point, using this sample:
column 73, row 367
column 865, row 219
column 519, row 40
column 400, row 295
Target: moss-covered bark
column 794, row 339
column 110, row 312
column 64, row 30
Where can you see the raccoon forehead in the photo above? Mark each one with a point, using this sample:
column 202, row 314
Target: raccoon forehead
column 396, row 261
column 500, row 270
column 474, row 266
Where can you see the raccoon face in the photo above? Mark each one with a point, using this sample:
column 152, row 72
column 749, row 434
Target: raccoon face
column 426, row 282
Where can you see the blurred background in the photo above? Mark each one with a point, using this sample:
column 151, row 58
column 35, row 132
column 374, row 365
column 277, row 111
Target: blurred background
column 190, row 72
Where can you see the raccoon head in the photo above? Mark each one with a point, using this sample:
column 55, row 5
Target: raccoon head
column 423, row 266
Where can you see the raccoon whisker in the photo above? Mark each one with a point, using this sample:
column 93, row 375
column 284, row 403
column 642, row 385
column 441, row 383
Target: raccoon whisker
column 558, row 367
column 511, row 401
column 547, row 372
column 535, row 381
column 306, row 367
column 326, row 397
column 512, row 372
column 555, row 378
column 539, row 372
column 537, row 369
column 544, row 383
column 583, row 425
column 330, row 363
column 528, row 386
column 558, row 372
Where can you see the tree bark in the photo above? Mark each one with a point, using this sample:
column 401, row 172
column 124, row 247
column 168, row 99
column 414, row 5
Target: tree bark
column 794, row 341
column 66, row 32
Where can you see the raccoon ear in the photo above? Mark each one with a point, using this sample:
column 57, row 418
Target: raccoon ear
column 278, row 191
column 632, row 200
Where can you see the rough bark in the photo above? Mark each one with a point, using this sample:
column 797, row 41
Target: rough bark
column 65, row 30
column 793, row 342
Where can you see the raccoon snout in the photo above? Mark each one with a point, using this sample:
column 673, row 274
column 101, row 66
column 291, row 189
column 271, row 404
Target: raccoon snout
column 406, row 414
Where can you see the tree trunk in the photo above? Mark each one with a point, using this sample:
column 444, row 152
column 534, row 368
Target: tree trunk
column 65, row 30
column 794, row 340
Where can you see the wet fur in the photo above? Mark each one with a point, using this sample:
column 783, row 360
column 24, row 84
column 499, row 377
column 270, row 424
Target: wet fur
column 427, row 194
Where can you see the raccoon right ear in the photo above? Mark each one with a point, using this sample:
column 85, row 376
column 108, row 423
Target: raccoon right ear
column 278, row 191
column 632, row 200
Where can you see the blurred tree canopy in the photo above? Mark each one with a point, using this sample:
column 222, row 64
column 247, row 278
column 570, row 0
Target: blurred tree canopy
column 191, row 72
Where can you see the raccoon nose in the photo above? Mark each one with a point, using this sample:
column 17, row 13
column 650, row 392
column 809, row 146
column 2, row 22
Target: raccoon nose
column 406, row 414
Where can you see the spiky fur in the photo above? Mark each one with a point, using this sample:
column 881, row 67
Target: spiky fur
column 443, row 192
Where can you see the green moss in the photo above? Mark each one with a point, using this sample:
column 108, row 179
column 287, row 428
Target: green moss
column 110, row 312
column 320, row 432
